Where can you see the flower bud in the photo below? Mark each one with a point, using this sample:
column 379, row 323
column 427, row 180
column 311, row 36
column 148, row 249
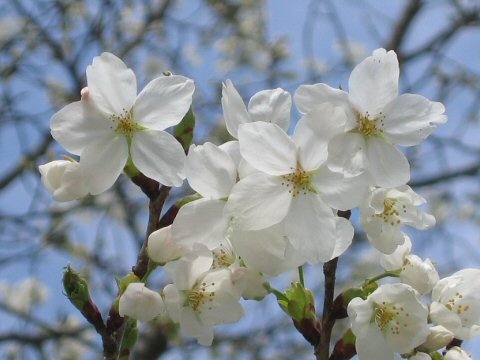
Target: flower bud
column 140, row 303
column 63, row 179
column 457, row 353
column 418, row 273
column 439, row 337
column 300, row 304
column 162, row 248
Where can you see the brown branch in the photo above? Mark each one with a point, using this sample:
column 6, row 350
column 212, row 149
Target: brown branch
column 471, row 170
column 403, row 25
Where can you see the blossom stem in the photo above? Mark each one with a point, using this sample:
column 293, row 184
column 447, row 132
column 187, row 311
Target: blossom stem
column 301, row 276
column 393, row 273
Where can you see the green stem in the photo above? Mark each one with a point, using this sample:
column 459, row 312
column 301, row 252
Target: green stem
column 301, row 276
column 393, row 273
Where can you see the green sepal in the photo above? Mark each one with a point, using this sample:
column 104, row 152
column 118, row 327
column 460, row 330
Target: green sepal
column 184, row 130
column 298, row 303
column 76, row 288
column 130, row 169
column 436, row 355
column 128, row 279
column 369, row 288
column 130, row 336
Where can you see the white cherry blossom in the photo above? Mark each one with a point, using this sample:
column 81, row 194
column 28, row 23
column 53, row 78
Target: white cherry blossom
column 292, row 186
column 386, row 210
column 199, row 297
column 439, row 337
column 456, row 303
column 162, row 248
column 391, row 320
column 377, row 119
column 111, row 123
column 64, row 179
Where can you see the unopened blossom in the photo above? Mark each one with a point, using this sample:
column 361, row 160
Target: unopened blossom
column 386, row 210
column 64, row 179
column 457, row 353
column 420, row 356
column 418, row 273
column 439, row 337
column 456, row 303
column 162, row 248
column 267, row 105
column 291, row 185
column 199, row 297
column 391, row 320
column 140, row 303
column 112, row 124
column 377, row 119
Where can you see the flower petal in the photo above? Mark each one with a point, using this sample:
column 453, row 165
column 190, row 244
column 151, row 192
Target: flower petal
column 258, row 201
column 308, row 97
column 103, row 162
column 271, row 106
column 338, row 191
column 210, row 171
column 344, row 236
column 311, row 228
column 159, row 156
column 372, row 345
column 200, row 221
column 374, row 82
column 112, row 85
column 312, row 150
column 267, row 148
column 347, row 154
column 410, row 119
column 163, row 102
column 78, row 125
column 234, row 109
column 387, row 165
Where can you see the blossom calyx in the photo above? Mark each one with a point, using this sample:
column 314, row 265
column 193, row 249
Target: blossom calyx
column 299, row 302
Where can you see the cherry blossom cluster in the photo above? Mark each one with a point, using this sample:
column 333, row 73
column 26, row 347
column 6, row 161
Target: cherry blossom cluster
column 268, row 202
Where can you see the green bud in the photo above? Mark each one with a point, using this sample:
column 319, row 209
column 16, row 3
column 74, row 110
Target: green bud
column 299, row 302
column 76, row 288
column 436, row 356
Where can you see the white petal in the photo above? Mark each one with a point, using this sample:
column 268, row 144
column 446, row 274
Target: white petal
column 271, row 106
column 201, row 221
column 311, row 228
column 410, row 119
column 308, row 97
column 140, row 303
column 163, row 102
column 394, row 261
column 191, row 325
column 162, row 248
column 347, row 154
column 210, row 171
column 112, row 86
column 159, row 156
column 344, row 236
column 232, row 148
column 387, row 165
column 174, row 300
column 312, row 150
column 267, row 250
column 267, row 148
column 258, row 201
column 78, row 125
column 328, row 121
column 374, row 82
column 384, row 236
column 234, row 110
column 338, row 191
column 372, row 345
column 103, row 162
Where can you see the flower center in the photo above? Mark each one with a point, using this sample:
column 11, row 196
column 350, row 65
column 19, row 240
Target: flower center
column 457, row 305
column 370, row 127
column 390, row 213
column 126, row 125
column 298, row 182
column 199, row 296
column 222, row 257
column 388, row 317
